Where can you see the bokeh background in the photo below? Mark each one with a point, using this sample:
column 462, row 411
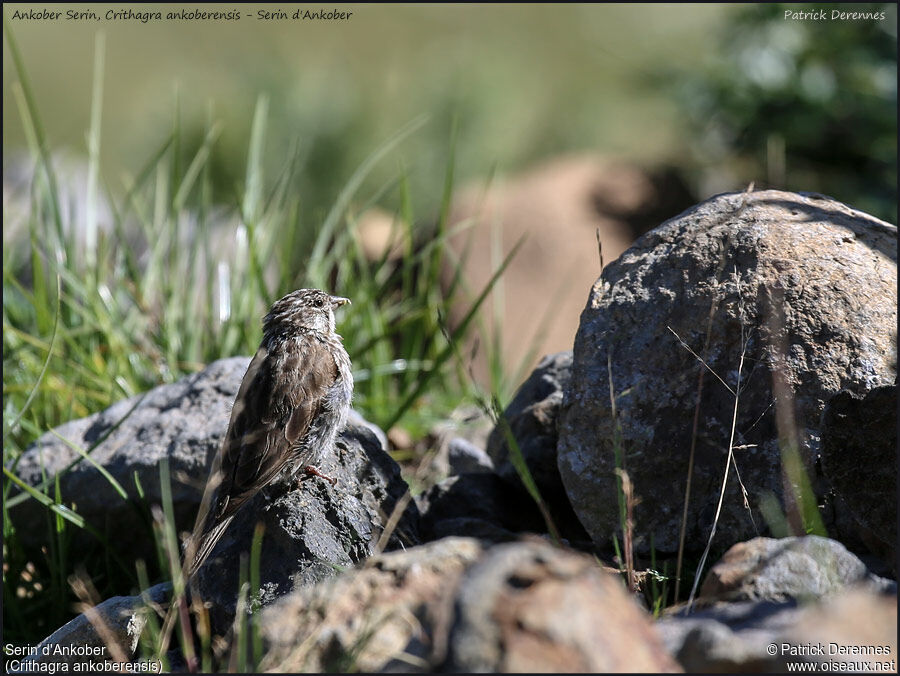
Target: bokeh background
column 713, row 89
column 165, row 181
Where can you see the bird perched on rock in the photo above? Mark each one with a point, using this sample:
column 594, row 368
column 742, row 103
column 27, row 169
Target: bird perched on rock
column 292, row 402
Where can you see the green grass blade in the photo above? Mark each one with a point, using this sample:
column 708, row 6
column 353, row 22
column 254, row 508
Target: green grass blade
column 117, row 487
column 47, row 501
column 40, row 378
column 201, row 158
column 34, row 122
column 254, row 176
column 521, row 467
column 43, row 485
column 422, row 382
column 326, row 232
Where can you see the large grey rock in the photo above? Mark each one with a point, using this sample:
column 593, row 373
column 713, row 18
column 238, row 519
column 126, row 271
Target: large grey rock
column 810, row 285
column 309, row 531
column 182, row 422
column 312, row 530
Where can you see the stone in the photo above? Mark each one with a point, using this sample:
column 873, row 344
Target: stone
column 530, row 607
column 452, row 605
column 477, row 505
column 532, row 417
column 459, row 441
column 182, row 422
column 560, row 207
column 859, row 458
column 804, row 287
column 800, row 568
column 738, row 637
column 308, row 531
column 391, row 614
column 109, row 631
column 313, row 529
column 728, row 637
column 465, row 457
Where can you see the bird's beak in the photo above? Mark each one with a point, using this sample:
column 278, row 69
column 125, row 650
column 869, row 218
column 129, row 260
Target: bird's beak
column 337, row 301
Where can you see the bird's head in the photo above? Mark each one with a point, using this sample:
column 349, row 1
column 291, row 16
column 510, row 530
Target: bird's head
column 307, row 309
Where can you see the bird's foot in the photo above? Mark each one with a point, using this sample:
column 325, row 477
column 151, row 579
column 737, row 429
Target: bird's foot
column 310, row 471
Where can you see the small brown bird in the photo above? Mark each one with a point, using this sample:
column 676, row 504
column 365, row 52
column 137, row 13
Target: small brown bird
column 292, row 402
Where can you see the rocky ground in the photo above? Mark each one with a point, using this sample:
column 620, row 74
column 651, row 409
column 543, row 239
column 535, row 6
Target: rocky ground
column 789, row 299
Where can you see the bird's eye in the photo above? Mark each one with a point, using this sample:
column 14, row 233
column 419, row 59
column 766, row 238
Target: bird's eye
column 318, row 302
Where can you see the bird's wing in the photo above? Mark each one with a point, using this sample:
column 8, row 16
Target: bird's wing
column 276, row 410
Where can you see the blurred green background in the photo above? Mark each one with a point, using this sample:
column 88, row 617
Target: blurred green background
column 524, row 81
column 720, row 91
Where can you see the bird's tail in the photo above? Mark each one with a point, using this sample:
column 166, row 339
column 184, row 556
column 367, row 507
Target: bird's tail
column 202, row 546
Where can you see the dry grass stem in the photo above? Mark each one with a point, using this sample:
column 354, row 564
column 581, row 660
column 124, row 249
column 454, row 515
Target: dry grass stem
column 628, row 535
column 712, row 532
column 700, row 359
column 85, row 591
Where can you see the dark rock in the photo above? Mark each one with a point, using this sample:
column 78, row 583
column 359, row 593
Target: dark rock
column 801, row 285
column 313, row 530
column 530, row 607
column 800, row 568
column 477, row 505
column 307, row 531
column 859, row 457
column 532, row 418
column 465, row 457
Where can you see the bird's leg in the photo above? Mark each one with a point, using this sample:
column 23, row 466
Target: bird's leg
column 310, row 471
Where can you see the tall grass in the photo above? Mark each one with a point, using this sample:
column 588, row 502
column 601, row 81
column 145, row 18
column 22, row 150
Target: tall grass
column 170, row 281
